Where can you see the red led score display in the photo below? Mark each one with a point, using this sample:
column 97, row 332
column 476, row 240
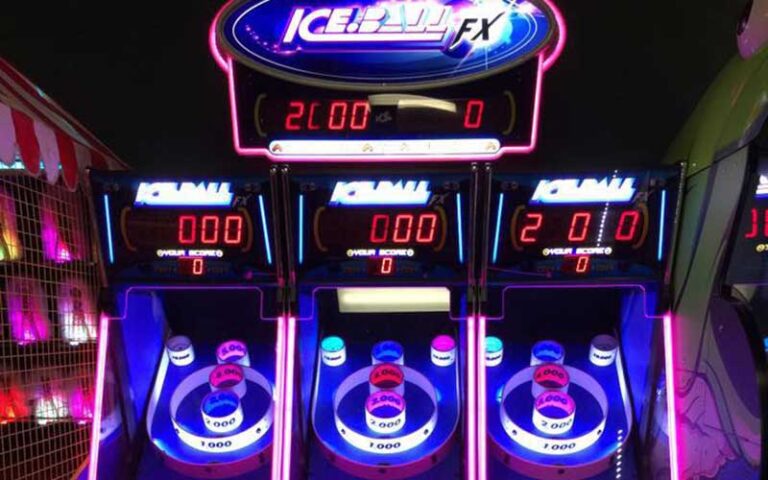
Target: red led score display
column 210, row 230
column 192, row 266
column 169, row 229
column 355, row 115
column 749, row 257
column 337, row 230
column 364, row 118
column 758, row 224
column 403, row 228
column 334, row 115
column 567, row 227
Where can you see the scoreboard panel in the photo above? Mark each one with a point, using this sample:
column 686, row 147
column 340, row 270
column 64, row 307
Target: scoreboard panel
column 197, row 230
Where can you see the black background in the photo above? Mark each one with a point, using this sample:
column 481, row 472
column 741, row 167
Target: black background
column 140, row 76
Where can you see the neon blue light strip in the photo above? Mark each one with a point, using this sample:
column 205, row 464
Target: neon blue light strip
column 107, row 214
column 660, row 251
column 498, row 228
column 461, row 230
column 264, row 229
column 301, row 229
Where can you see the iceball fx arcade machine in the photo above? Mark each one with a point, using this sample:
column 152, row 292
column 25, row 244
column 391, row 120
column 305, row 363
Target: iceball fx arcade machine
column 382, row 280
column 572, row 359
column 192, row 331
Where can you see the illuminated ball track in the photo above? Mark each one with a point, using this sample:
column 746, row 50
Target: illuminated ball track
column 388, row 419
column 210, row 421
column 580, row 439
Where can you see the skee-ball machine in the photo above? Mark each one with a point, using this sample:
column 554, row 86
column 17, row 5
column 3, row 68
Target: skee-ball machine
column 193, row 326
column 575, row 326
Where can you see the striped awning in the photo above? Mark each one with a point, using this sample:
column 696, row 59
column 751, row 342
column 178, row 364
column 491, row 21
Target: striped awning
column 40, row 135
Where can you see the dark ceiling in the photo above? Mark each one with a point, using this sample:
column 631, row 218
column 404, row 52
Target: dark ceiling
column 140, row 76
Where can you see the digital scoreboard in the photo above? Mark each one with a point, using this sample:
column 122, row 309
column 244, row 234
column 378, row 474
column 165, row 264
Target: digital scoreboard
column 385, row 81
column 195, row 230
column 378, row 228
column 290, row 120
column 571, row 226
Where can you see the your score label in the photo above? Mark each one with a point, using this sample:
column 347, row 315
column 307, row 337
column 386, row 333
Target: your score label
column 380, row 252
column 565, row 251
column 172, row 253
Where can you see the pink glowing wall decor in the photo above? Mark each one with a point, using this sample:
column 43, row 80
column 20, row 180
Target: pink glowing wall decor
column 62, row 240
column 10, row 245
column 77, row 312
column 27, row 310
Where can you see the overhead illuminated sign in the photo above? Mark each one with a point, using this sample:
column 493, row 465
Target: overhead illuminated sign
column 373, row 41
column 184, row 194
column 368, row 192
column 584, row 190
column 412, row 24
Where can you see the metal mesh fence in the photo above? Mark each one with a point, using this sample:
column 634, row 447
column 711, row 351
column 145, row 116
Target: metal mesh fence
column 48, row 323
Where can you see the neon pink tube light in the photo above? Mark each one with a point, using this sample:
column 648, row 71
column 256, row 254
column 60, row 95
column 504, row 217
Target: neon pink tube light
column 482, row 443
column 472, row 399
column 288, row 396
column 101, row 369
column 671, row 385
column 561, row 35
column 277, row 449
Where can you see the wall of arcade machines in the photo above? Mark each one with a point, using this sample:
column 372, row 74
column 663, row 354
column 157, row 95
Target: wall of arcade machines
column 451, row 318
column 463, row 319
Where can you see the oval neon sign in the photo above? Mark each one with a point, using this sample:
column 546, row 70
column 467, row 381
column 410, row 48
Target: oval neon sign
column 384, row 43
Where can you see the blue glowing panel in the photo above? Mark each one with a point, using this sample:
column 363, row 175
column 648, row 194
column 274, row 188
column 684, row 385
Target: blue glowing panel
column 381, row 229
column 186, row 229
column 601, row 225
column 375, row 42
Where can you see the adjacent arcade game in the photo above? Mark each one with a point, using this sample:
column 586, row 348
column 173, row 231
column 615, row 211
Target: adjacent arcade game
column 721, row 271
column 383, row 373
column 381, row 335
column 575, row 288
column 194, row 333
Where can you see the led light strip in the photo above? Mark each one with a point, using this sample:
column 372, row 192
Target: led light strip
column 389, row 445
column 549, row 445
column 226, row 443
column 394, row 148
